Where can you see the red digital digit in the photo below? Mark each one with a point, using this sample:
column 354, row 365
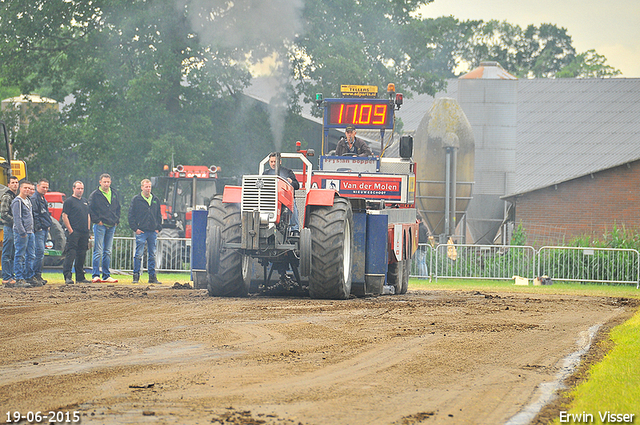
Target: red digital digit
column 380, row 114
column 365, row 114
column 350, row 114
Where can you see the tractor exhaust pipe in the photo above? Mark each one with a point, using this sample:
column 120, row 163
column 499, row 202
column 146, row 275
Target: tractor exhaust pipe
column 277, row 169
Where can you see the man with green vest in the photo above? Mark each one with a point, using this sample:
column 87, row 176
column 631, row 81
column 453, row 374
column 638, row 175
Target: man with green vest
column 146, row 221
column 104, row 207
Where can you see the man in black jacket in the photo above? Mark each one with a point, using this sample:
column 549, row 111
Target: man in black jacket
column 104, row 207
column 146, row 222
column 41, row 225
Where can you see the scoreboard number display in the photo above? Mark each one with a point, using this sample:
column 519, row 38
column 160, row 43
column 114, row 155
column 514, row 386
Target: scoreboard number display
column 370, row 113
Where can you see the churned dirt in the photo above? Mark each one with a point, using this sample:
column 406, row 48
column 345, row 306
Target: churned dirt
column 138, row 354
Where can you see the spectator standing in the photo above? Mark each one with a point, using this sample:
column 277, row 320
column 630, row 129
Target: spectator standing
column 145, row 220
column 421, row 253
column 23, row 237
column 6, row 216
column 104, row 207
column 75, row 216
column 41, row 224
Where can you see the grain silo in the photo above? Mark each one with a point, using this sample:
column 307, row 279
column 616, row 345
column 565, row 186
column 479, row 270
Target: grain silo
column 488, row 95
column 444, row 152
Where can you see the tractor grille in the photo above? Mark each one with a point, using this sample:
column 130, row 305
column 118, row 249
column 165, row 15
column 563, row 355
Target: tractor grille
column 259, row 193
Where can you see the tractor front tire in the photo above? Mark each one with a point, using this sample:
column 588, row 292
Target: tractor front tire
column 168, row 250
column 226, row 268
column 398, row 275
column 332, row 250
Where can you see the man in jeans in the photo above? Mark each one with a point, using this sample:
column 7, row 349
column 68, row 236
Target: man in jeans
column 8, row 278
column 41, row 224
column 145, row 220
column 423, row 248
column 23, row 237
column 104, row 207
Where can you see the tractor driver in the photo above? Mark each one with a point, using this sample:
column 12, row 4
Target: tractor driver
column 351, row 145
column 289, row 176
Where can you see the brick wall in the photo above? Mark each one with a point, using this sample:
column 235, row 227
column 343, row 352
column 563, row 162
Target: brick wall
column 588, row 205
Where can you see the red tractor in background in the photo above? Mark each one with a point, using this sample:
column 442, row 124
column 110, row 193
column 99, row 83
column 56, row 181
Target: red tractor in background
column 183, row 189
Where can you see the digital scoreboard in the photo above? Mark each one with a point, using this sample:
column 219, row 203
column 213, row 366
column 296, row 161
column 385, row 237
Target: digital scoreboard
column 362, row 113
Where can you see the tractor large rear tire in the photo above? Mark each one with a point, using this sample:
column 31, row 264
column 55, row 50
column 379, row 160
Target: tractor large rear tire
column 227, row 270
column 332, row 248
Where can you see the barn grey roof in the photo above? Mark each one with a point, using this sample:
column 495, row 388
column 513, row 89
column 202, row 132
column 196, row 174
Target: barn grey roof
column 566, row 128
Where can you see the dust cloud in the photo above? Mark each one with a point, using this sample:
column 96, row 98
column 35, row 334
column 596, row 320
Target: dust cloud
column 252, row 30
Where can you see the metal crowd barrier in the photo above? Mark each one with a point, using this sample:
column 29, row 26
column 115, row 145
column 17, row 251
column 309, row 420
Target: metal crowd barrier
column 172, row 255
column 461, row 261
column 464, row 261
column 599, row 265
column 577, row 264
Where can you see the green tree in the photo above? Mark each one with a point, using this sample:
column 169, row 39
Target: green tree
column 370, row 43
column 7, row 91
column 588, row 65
column 534, row 52
column 438, row 45
column 144, row 81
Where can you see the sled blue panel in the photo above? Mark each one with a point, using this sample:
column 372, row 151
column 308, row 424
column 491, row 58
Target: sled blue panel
column 377, row 254
column 199, row 240
column 377, row 233
column 359, row 242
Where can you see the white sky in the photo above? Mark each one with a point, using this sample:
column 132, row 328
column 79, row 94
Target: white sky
column 610, row 27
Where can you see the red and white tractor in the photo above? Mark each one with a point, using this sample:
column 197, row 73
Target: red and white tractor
column 358, row 228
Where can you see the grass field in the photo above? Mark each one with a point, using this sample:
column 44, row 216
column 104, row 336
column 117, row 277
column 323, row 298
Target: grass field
column 569, row 288
column 564, row 288
column 613, row 385
column 126, row 279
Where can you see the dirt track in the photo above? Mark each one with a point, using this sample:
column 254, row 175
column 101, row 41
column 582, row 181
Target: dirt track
column 133, row 354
